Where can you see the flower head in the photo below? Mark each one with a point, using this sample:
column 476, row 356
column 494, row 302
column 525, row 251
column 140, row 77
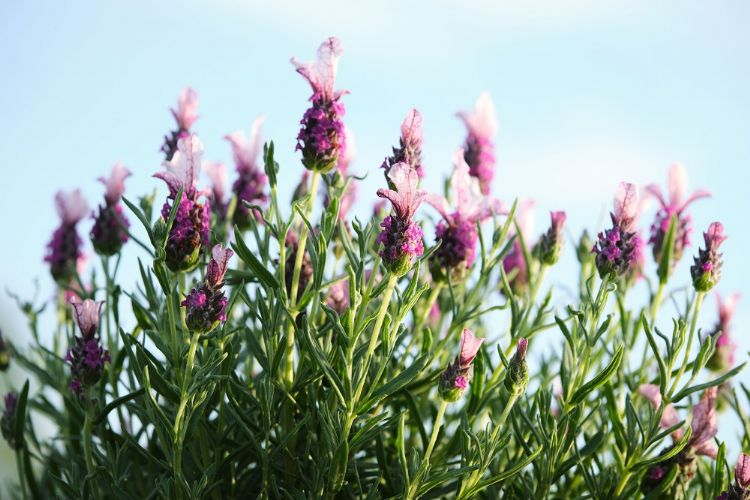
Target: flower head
column 401, row 237
column 723, row 357
column 110, row 229
column 479, row 149
column 185, row 115
column 674, row 204
column 190, row 229
column 205, row 306
column 616, row 248
column 251, row 181
column 550, row 245
column 64, row 249
column 87, row 314
column 742, row 471
column 706, row 268
column 8, row 420
column 457, row 232
column 514, row 263
column 322, row 138
column 410, row 145
column 455, row 379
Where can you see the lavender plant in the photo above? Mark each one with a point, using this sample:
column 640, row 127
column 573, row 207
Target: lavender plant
column 268, row 353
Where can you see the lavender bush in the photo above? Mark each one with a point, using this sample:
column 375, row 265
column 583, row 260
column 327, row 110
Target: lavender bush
column 305, row 354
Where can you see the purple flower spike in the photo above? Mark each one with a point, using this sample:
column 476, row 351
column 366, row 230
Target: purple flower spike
column 8, row 420
column 401, row 237
column 322, row 138
column 616, row 248
column 742, row 471
column 410, row 145
column 479, row 149
column 706, row 268
column 190, row 230
column 217, row 174
column 514, row 263
column 704, row 425
column 110, row 229
column 550, row 245
column 185, row 115
column 723, row 357
column 675, row 204
column 457, row 232
column 86, row 314
column 64, row 249
column 455, row 379
column 205, row 306
column 251, row 181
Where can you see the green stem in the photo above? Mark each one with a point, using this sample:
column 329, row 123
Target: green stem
column 87, row 444
column 21, row 477
column 656, row 303
column 390, row 287
column 532, row 297
column 414, row 486
column 691, row 334
column 180, row 417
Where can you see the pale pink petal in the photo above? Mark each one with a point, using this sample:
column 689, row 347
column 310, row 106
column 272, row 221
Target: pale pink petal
column 115, row 183
column 187, row 108
column 481, row 121
column 246, row 151
column 349, row 153
column 405, row 180
column 626, row 203
column 742, row 471
column 217, row 266
column 468, row 194
column 86, row 314
column 525, row 217
column 727, row 307
column 677, row 184
column 469, row 347
column 669, row 416
column 707, row 449
column 704, row 419
column 71, row 206
column 440, row 204
column 411, row 128
column 217, row 174
column 182, row 169
column 655, row 191
column 697, row 195
column 322, row 72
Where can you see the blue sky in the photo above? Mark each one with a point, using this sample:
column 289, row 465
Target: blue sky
column 587, row 94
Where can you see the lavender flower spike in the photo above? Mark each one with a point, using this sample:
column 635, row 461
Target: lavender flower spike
column 481, row 126
column 205, row 306
column 8, row 420
column 410, row 145
column 110, row 229
column 550, row 245
column 514, row 263
column 191, row 225
column 87, row 357
column 401, row 237
column 185, row 115
column 616, row 248
column 64, row 249
column 455, row 379
column 740, row 490
column 674, row 204
column 457, row 232
column 322, row 139
column 706, row 269
column 723, row 357
column 251, row 181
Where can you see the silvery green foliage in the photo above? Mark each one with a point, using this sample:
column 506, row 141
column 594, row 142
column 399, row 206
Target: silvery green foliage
column 324, row 374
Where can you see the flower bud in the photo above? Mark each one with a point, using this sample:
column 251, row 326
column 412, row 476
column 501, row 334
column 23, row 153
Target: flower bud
column 4, row 354
column 517, row 374
column 110, row 229
column 86, row 314
column 205, row 306
column 706, row 269
column 8, row 421
column 550, row 245
column 455, row 379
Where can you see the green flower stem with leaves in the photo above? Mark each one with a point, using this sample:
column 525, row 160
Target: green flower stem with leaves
column 691, row 334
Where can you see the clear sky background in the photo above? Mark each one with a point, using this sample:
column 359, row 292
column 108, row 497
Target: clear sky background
column 587, row 93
